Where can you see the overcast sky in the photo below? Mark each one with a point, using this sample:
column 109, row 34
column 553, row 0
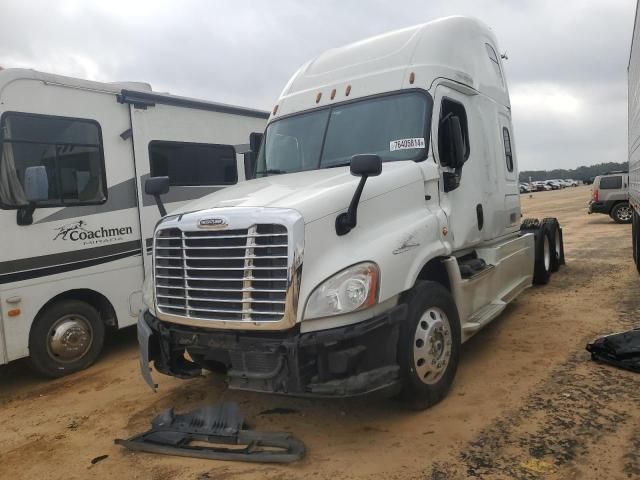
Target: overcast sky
column 566, row 69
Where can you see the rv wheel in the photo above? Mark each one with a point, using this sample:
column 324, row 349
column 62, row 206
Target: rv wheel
column 65, row 338
column 429, row 345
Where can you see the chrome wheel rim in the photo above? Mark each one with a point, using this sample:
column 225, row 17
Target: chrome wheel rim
column 624, row 213
column 69, row 338
column 432, row 346
column 547, row 253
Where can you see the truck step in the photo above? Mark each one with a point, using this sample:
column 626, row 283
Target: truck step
column 483, row 316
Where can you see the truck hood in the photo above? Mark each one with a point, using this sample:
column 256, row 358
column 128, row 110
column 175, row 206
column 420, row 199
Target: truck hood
column 315, row 193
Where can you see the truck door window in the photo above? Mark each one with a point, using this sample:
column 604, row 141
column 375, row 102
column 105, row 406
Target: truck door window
column 445, row 148
column 67, row 150
column 611, row 183
column 193, row 164
column 507, row 148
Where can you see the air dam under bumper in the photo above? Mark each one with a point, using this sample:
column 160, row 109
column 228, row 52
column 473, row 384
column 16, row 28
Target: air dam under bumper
column 340, row 362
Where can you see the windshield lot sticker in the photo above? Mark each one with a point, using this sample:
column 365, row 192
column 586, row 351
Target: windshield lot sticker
column 406, row 144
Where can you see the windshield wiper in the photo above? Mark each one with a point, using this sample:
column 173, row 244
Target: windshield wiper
column 272, row 171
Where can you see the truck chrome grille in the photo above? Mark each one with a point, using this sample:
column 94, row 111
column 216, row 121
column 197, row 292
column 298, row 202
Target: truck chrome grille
column 228, row 275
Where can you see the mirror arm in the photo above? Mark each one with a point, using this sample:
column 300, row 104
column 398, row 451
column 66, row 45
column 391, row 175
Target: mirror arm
column 160, row 205
column 347, row 220
column 24, row 215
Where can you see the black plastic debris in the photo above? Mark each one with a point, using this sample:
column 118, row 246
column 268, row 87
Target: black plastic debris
column 217, row 426
column 619, row 349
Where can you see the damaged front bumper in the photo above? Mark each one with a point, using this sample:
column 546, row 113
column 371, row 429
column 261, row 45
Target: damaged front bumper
column 340, row 362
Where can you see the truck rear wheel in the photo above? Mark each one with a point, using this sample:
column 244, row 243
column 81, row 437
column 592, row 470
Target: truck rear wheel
column 429, row 345
column 543, row 248
column 622, row 213
column 557, row 246
column 66, row 337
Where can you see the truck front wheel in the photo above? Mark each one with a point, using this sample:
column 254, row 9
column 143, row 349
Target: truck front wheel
column 429, row 346
column 66, row 337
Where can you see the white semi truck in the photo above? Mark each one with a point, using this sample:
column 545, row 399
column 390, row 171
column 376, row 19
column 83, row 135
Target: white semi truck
column 383, row 229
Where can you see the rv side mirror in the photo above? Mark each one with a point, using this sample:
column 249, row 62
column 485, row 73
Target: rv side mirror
column 36, row 189
column 363, row 166
column 157, row 186
column 457, row 143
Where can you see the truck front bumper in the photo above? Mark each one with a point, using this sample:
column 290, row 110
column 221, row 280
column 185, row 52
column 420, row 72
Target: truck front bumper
column 340, row 362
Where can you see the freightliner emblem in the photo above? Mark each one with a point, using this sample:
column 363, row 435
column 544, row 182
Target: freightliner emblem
column 212, row 223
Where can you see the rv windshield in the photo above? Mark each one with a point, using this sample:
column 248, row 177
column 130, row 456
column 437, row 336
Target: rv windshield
column 395, row 127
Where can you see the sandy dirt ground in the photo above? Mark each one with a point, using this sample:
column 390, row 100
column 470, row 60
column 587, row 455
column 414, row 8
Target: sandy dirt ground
column 527, row 401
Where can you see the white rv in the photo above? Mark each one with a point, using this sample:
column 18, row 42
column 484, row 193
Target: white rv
column 74, row 220
column 382, row 232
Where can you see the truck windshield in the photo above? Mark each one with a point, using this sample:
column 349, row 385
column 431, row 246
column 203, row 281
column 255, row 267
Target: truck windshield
column 395, row 127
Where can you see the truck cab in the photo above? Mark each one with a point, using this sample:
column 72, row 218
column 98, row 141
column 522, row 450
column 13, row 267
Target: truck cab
column 382, row 229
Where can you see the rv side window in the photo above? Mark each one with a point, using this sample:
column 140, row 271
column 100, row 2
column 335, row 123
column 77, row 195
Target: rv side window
column 611, row 183
column 507, row 148
column 451, row 108
column 192, row 164
column 50, row 161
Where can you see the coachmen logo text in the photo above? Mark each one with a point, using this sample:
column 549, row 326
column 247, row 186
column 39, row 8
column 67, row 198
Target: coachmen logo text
column 216, row 222
column 79, row 231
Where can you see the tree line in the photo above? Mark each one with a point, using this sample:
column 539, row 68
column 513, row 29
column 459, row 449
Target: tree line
column 580, row 173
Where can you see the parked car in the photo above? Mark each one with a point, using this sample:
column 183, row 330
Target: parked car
column 525, row 187
column 553, row 184
column 611, row 196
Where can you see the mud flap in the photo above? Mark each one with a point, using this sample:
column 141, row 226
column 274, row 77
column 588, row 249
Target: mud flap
column 144, row 334
column 217, row 425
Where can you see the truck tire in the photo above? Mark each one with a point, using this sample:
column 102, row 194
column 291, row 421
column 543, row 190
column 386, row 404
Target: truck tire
column 429, row 345
column 557, row 247
column 543, row 255
column 622, row 212
column 66, row 337
column 635, row 239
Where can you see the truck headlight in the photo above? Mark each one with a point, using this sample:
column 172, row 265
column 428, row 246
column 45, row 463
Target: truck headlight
column 352, row 289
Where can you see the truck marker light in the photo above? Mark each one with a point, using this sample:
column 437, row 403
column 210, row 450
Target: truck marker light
column 445, row 230
column 318, row 97
column 333, row 94
column 348, row 90
column 14, row 312
column 412, row 78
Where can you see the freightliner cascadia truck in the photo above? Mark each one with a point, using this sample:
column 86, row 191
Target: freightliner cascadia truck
column 381, row 231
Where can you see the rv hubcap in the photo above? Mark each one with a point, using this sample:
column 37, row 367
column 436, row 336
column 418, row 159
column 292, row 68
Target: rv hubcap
column 432, row 345
column 70, row 338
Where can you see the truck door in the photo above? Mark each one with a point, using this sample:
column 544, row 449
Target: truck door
column 199, row 150
column 509, row 168
column 463, row 203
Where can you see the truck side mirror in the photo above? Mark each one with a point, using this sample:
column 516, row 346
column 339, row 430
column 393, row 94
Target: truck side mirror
column 251, row 157
column 157, row 186
column 363, row 166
